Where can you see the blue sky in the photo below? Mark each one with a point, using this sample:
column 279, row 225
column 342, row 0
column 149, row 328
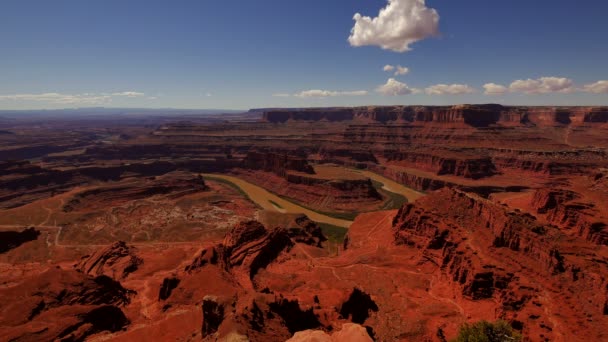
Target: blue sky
column 238, row 54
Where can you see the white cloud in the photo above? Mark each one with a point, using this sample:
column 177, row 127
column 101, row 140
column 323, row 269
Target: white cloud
column 495, row 89
column 329, row 93
column 281, row 95
column 543, row 85
column 388, row 68
column 129, row 94
column 392, row 87
column 449, row 89
column 599, row 87
column 399, row 24
column 86, row 99
column 401, row 70
column 57, row 98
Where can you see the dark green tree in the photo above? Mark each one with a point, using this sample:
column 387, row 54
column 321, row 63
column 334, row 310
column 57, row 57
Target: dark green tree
column 484, row 331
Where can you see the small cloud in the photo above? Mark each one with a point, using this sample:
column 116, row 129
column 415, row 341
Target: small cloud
column 392, row 87
column 599, row 87
column 543, row 85
column 495, row 89
column 388, row 68
column 208, row 94
column 399, row 24
column 449, row 89
column 317, row 93
column 129, row 94
column 401, row 70
column 61, row 99
column 152, row 97
column 84, row 99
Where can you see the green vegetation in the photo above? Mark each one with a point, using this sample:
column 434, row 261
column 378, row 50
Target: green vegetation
column 350, row 216
column 335, row 236
column 394, row 200
column 333, row 233
column 484, row 331
column 275, row 204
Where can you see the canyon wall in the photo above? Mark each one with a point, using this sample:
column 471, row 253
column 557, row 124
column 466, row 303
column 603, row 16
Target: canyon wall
column 472, row 115
column 490, row 252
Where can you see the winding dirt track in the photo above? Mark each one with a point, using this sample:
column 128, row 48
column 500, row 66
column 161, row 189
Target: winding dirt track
column 263, row 198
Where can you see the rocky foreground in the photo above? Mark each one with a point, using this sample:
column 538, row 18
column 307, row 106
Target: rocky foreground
column 413, row 274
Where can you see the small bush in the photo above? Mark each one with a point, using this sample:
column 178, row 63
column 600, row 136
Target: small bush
column 484, row 331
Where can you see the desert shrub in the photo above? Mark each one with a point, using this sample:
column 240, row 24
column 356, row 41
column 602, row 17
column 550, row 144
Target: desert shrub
column 484, row 331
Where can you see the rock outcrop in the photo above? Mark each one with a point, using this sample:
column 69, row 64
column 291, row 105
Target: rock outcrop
column 168, row 285
column 358, row 306
column 348, row 333
column 276, row 163
column 565, row 208
column 320, row 193
column 213, row 315
column 471, row 115
column 116, row 261
column 457, row 231
column 67, row 304
column 251, row 247
column 467, row 167
column 173, row 185
column 250, row 310
column 303, row 230
column 326, row 114
column 13, row 239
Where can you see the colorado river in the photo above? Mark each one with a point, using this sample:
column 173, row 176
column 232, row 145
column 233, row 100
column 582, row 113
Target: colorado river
column 264, row 199
column 392, row 186
column 269, row 201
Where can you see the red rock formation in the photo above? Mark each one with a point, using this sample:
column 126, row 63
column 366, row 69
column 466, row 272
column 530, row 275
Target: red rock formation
column 116, row 261
column 245, row 308
column 413, row 181
column 63, row 305
column 173, row 184
column 472, row 115
column 348, row 333
column 303, row 230
column 561, row 207
column 415, row 274
column 471, row 167
column 599, row 115
column 329, row 114
column 169, row 284
column 477, row 116
column 14, row 239
column 448, row 258
column 278, row 164
column 490, row 252
column 318, row 193
column 25, row 183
